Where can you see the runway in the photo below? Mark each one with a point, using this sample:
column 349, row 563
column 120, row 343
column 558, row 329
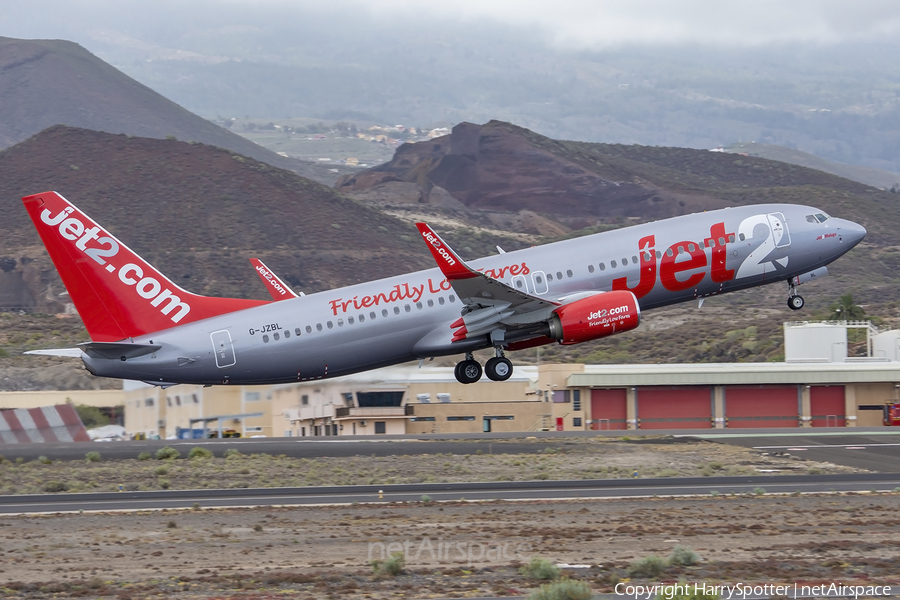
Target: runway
column 873, row 450
column 502, row 490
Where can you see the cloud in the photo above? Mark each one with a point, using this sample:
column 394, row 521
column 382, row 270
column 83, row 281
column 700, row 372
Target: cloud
column 603, row 23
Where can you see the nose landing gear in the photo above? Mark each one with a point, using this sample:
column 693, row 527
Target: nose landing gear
column 795, row 300
column 498, row 368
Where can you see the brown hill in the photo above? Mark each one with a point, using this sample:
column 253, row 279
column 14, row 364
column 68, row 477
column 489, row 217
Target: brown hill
column 49, row 82
column 497, row 170
column 195, row 211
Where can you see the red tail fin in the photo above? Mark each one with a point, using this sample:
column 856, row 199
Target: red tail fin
column 117, row 293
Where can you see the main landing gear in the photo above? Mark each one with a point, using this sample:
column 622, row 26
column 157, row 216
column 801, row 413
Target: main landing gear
column 498, row 368
column 795, row 300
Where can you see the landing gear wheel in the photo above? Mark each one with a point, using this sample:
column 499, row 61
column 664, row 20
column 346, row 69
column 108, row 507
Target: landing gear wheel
column 795, row 302
column 498, row 368
column 468, row 371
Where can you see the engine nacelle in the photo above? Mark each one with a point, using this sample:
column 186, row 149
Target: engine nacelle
column 595, row 317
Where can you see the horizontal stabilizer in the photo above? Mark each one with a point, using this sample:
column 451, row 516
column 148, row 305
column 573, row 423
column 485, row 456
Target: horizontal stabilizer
column 64, row 352
column 117, row 350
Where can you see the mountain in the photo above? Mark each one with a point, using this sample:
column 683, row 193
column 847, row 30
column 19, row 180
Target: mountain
column 50, row 82
column 498, row 170
column 197, row 212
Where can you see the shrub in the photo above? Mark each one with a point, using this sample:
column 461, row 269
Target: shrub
column 257, row 528
column 55, row 486
column 650, row 566
column 172, row 525
column 759, row 491
column 44, row 460
column 682, row 556
column 390, row 567
column 425, row 498
column 144, row 456
column 198, row 452
column 233, row 453
column 92, row 456
column 167, row 453
column 161, row 471
column 564, row 589
column 540, row 568
column 164, row 483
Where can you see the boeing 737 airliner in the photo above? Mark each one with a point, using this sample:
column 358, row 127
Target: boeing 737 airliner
column 144, row 327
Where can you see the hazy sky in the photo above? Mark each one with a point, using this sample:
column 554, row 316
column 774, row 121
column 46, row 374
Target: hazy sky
column 576, row 24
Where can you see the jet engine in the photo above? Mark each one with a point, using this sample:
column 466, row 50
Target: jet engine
column 595, row 317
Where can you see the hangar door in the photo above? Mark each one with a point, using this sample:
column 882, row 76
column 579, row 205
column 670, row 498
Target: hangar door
column 679, row 407
column 609, row 409
column 762, row 406
column 826, row 406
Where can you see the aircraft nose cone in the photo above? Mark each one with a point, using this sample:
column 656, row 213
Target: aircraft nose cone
column 853, row 232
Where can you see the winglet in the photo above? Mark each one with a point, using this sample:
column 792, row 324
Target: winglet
column 451, row 265
column 278, row 289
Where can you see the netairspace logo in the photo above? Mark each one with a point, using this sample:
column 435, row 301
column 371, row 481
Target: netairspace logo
column 440, row 550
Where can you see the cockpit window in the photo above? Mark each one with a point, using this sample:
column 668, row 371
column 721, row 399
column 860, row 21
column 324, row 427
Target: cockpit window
column 817, row 218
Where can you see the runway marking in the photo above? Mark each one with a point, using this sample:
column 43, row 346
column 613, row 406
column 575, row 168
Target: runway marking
column 814, row 446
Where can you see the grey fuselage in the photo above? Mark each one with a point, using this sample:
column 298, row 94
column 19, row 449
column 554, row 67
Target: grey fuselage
column 408, row 317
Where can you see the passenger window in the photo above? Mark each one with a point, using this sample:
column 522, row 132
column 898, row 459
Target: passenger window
column 549, row 276
column 624, row 261
column 691, row 247
column 287, row 334
column 634, row 259
column 731, row 238
column 372, row 315
column 669, row 252
column 590, row 268
column 265, row 339
column 350, row 320
column 330, row 325
column 539, row 280
column 722, row 240
column 276, row 336
column 297, row 331
column 680, row 249
column 441, row 300
column 569, row 273
column 613, row 264
column 430, row 303
column 309, row 329
column 602, row 266
column 519, row 283
column 318, row 327
column 658, row 254
column 362, row 318
column 452, row 298
column 419, row 305
column 396, row 310
column 742, row 237
column 383, row 312
column 559, row 274
column 340, row 322
column 648, row 257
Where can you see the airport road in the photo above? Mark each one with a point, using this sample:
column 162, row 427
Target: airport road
column 873, row 450
column 500, row 490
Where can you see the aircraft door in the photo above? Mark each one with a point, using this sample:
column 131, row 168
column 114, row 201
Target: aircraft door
column 223, row 348
column 519, row 283
column 780, row 233
column 539, row 280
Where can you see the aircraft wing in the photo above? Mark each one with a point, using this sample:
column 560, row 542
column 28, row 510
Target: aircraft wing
column 490, row 302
